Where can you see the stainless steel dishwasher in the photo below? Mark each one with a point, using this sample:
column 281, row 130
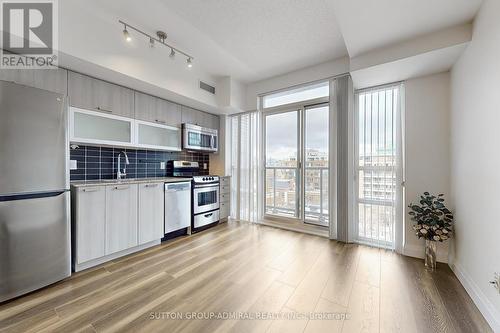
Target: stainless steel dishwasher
column 177, row 207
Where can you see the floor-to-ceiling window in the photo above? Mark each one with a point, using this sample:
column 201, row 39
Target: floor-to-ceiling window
column 296, row 161
column 378, row 165
column 244, row 157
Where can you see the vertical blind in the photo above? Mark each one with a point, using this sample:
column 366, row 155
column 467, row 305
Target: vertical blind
column 245, row 157
column 378, row 165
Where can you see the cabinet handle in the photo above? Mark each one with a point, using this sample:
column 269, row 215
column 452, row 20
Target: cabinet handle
column 104, row 110
column 208, row 215
column 151, row 185
column 160, row 121
column 94, row 189
column 121, row 187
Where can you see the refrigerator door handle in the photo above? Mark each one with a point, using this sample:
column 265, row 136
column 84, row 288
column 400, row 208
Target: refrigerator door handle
column 27, row 196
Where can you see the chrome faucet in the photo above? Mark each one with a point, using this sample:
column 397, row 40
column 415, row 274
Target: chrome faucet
column 120, row 174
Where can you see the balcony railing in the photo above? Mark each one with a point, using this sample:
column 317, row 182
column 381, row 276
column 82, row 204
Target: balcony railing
column 283, row 200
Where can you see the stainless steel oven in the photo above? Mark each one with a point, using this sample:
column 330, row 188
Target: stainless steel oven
column 199, row 138
column 205, row 198
column 205, row 193
column 205, row 201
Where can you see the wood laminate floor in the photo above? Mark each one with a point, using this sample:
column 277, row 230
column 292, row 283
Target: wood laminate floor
column 252, row 271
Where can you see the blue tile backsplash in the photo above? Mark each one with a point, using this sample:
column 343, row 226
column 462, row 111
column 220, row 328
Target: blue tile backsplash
column 96, row 163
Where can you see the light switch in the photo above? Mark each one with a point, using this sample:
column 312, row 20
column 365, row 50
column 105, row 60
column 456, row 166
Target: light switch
column 162, row 165
column 72, row 165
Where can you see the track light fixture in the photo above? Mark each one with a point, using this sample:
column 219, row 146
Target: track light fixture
column 126, row 34
column 160, row 38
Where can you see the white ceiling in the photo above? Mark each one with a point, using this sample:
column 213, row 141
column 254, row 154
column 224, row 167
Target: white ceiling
column 247, row 40
column 436, row 61
column 270, row 37
column 371, row 24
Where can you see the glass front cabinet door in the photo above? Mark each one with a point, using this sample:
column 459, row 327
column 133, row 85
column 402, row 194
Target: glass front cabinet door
column 98, row 128
column 91, row 127
column 157, row 136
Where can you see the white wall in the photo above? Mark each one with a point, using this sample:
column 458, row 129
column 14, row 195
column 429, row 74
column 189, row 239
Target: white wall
column 475, row 162
column 426, row 149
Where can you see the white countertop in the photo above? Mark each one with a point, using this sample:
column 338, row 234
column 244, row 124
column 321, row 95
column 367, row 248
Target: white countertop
column 128, row 181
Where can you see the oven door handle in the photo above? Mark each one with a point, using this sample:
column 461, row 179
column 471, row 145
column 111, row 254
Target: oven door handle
column 205, row 186
column 208, row 215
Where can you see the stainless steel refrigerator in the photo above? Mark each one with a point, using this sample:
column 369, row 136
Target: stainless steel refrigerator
column 34, row 190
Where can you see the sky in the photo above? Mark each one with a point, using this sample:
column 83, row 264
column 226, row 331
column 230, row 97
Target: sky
column 281, row 133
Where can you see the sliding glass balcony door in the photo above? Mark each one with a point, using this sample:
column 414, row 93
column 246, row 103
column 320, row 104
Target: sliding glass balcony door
column 281, row 164
column 316, row 127
column 296, row 163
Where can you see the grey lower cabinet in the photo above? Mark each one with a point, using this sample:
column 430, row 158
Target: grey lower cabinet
column 121, row 217
column 92, row 94
column 151, row 212
column 157, row 110
column 110, row 221
column 55, row 80
column 224, row 200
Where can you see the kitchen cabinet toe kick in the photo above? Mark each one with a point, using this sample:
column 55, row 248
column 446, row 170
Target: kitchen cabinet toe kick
column 88, row 264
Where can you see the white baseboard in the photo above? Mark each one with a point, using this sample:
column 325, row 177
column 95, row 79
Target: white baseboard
column 417, row 251
column 489, row 312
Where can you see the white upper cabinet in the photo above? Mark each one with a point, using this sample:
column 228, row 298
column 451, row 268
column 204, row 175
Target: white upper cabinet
column 156, row 136
column 92, row 94
column 99, row 128
column 157, row 110
column 104, row 129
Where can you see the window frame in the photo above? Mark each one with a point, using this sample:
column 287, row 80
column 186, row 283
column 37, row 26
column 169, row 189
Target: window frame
column 300, row 108
column 399, row 224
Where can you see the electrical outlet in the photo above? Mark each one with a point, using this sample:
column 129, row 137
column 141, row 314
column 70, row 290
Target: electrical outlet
column 205, row 166
column 72, row 165
column 496, row 282
column 162, row 165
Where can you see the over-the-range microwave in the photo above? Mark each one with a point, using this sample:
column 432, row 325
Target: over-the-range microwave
column 195, row 137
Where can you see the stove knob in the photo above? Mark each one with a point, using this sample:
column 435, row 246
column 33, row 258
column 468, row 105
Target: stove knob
column 204, row 179
column 212, row 178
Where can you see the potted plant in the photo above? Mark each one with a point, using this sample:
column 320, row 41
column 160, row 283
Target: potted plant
column 433, row 222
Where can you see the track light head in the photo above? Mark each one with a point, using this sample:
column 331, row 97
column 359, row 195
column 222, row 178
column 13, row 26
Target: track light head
column 162, row 35
column 189, row 62
column 151, row 42
column 172, row 54
column 126, row 34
